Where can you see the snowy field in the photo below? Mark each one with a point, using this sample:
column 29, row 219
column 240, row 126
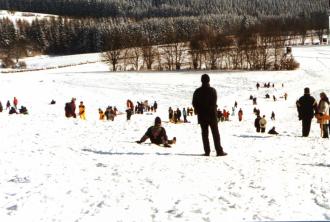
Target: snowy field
column 26, row 16
column 57, row 169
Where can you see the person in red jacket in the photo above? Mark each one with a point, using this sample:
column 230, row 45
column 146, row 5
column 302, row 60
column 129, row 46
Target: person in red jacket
column 240, row 115
column 15, row 102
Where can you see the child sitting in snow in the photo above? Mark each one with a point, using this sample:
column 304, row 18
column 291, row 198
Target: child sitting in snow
column 157, row 135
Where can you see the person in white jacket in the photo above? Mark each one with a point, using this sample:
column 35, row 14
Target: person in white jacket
column 323, row 114
column 262, row 123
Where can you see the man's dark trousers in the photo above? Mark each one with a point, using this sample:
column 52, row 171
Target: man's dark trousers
column 216, row 137
column 306, row 126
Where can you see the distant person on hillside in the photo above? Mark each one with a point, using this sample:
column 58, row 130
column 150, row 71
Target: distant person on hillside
column 15, row 102
column 263, row 123
column 8, row 105
column 258, row 85
column 273, row 131
column 12, row 111
column 323, row 112
column 306, row 106
column 184, row 113
column 272, row 116
column 157, row 134
column 155, row 106
column 205, row 106
column 240, row 115
column 70, row 108
column 178, row 115
column 285, row 96
column 110, row 113
column 254, row 101
column 257, row 123
column 129, row 113
column 130, row 105
column 101, row 114
column 23, row 110
column 82, row 111
column 233, row 111
column 170, row 113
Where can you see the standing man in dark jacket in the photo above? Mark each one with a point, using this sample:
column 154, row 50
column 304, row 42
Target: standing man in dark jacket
column 306, row 106
column 205, row 105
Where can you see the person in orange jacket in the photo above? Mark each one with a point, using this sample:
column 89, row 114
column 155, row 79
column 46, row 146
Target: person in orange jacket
column 101, row 113
column 82, row 112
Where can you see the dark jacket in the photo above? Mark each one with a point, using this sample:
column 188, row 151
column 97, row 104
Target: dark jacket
column 156, row 134
column 306, row 106
column 205, row 104
column 256, row 122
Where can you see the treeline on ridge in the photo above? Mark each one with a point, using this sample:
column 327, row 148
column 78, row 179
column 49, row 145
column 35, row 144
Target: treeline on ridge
column 140, row 9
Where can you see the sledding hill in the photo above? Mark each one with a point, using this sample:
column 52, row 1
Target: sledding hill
column 58, row 169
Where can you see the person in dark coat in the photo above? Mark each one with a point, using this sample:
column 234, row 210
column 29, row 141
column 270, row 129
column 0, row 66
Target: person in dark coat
column 1, row 108
column 272, row 116
column 157, row 135
column 257, row 124
column 70, row 108
column 128, row 114
column 178, row 114
column 170, row 113
column 184, row 113
column 273, row 131
column 306, row 106
column 23, row 110
column 254, row 101
column 7, row 105
column 205, row 105
column 12, row 111
column 155, row 106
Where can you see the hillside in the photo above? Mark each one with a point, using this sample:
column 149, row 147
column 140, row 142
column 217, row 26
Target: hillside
column 58, row 169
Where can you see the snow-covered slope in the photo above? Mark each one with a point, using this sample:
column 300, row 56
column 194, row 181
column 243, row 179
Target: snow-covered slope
column 58, row 169
column 26, row 16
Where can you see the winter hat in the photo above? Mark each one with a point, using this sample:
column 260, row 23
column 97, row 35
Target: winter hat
column 157, row 121
column 306, row 90
column 205, row 78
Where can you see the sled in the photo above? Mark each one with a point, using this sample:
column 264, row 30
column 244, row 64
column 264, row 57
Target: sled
column 178, row 122
column 322, row 118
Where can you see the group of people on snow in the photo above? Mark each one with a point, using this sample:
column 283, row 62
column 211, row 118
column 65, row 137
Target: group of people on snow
column 110, row 112
column 205, row 106
column 142, row 107
column 13, row 109
column 267, row 85
column 308, row 108
column 174, row 115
